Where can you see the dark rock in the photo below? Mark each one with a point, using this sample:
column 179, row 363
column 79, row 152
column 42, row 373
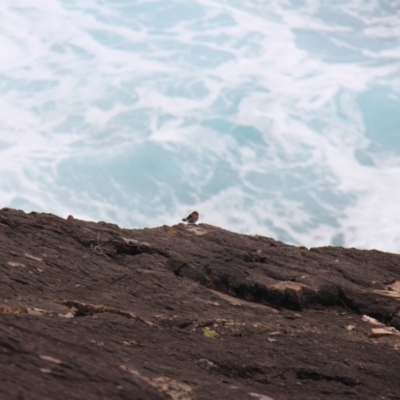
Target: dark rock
column 92, row 311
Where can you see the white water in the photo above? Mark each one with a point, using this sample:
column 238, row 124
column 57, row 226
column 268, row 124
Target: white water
column 279, row 118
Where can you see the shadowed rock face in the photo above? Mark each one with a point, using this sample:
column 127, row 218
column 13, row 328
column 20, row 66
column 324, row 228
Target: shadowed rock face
column 92, row 311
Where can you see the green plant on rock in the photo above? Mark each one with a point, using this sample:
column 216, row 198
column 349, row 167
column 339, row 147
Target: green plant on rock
column 209, row 333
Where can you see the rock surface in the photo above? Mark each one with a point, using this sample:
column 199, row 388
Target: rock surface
column 92, row 311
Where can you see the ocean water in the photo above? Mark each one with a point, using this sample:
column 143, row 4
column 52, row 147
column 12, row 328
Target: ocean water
column 278, row 118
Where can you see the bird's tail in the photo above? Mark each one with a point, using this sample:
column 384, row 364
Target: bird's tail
column 184, row 219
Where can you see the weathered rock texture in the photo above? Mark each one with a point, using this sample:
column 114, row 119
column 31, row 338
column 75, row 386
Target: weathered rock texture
column 92, row 311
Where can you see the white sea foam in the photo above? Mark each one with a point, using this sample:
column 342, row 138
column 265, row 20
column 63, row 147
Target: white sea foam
column 279, row 119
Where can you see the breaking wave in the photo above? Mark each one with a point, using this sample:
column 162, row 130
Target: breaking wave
column 278, row 119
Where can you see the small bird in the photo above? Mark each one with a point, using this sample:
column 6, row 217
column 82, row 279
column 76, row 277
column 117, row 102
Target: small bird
column 191, row 218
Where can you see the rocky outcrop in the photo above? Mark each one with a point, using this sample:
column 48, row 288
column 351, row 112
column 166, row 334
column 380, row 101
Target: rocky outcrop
column 92, row 311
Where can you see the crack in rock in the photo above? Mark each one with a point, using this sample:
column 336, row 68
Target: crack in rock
column 316, row 376
column 126, row 246
column 83, row 309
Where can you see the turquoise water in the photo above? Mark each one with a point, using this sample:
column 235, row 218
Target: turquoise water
column 278, row 118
